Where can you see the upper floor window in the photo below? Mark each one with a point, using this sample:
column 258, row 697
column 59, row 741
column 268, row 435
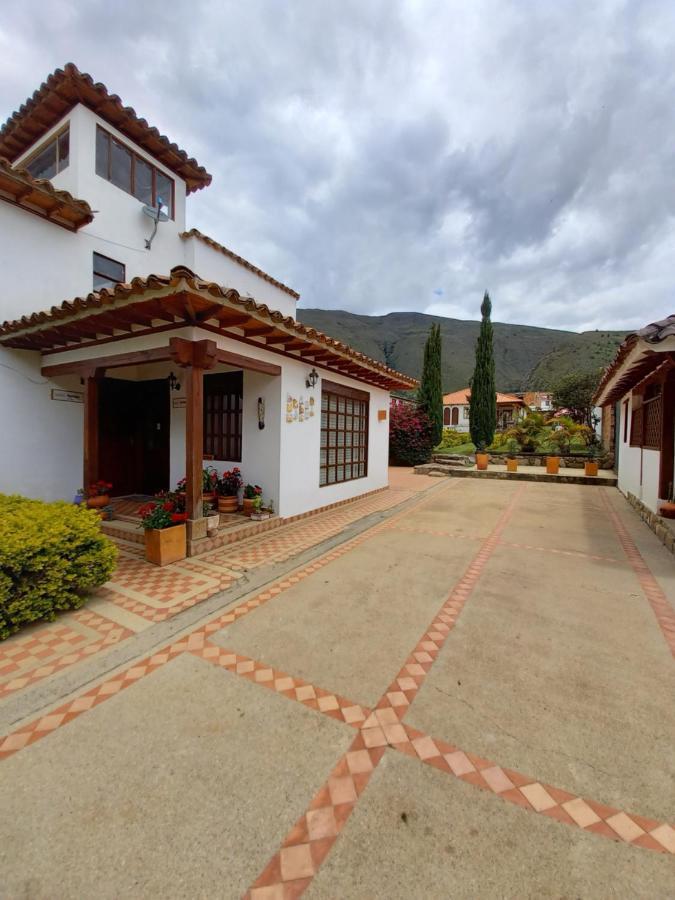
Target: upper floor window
column 52, row 157
column 107, row 272
column 117, row 163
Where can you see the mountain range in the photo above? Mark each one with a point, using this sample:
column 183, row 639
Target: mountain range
column 526, row 357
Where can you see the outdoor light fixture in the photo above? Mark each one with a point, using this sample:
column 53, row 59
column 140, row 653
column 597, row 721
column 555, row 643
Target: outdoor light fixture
column 174, row 383
column 312, row 379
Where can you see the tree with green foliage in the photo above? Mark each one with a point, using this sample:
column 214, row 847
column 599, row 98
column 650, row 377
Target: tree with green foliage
column 575, row 393
column 430, row 394
column 483, row 402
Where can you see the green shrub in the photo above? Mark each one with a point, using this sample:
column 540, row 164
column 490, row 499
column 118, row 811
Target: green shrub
column 51, row 555
column 452, row 438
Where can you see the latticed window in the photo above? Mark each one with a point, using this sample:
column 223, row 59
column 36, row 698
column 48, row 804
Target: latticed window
column 652, row 417
column 646, row 419
column 222, row 415
column 344, row 434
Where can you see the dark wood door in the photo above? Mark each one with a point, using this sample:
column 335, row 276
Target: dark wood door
column 134, row 421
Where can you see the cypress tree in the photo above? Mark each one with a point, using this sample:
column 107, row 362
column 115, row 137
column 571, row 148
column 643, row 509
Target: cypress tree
column 430, row 394
column 483, row 403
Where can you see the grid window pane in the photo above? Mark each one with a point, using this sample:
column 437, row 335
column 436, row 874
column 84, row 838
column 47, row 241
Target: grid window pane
column 344, row 435
column 223, row 416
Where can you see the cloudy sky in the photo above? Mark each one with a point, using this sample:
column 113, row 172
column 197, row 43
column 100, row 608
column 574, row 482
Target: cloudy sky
column 382, row 156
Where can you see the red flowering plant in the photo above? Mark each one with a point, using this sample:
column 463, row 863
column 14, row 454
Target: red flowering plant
column 251, row 491
column 177, row 501
column 229, row 483
column 209, row 480
column 410, row 435
column 99, row 489
column 159, row 514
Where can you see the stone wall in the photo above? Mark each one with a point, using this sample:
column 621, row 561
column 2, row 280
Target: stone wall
column 664, row 529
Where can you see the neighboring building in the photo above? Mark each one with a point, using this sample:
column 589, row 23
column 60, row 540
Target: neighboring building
column 456, row 410
column 538, row 401
column 640, row 385
column 139, row 378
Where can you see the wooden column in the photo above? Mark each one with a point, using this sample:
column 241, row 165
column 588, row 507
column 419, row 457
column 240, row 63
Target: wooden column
column 194, row 357
column 90, row 443
column 194, row 440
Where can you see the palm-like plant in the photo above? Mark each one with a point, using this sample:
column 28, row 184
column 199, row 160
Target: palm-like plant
column 528, row 431
column 566, row 432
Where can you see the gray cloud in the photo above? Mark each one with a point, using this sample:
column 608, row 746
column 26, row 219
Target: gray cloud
column 388, row 156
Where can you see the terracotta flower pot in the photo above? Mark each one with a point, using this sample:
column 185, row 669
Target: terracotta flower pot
column 552, row 465
column 482, row 461
column 590, row 467
column 248, row 506
column 667, row 510
column 98, row 502
column 208, row 496
column 165, row 545
column 228, row 504
column 511, row 465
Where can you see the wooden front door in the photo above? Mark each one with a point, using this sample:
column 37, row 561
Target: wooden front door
column 134, row 420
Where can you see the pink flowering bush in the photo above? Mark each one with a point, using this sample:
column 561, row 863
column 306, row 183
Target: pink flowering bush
column 410, row 436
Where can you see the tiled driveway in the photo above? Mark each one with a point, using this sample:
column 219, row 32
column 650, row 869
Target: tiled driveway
column 471, row 698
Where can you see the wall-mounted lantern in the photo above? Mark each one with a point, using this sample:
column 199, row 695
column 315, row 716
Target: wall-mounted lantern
column 174, row 383
column 312, row 379
column 261, row 413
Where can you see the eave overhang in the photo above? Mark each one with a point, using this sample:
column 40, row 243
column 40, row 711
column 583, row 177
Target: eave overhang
column 162, row 303
column 37, row 196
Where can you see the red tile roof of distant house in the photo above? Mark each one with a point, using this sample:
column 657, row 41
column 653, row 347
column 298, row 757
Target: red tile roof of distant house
column 462, row 397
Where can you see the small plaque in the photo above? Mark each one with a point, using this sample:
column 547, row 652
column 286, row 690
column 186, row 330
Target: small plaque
column 382, row 415
column 68, row 396
column 179, row 402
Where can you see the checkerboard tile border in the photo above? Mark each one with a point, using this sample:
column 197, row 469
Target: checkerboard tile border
column 662, row 609
column 26, row 647
column 330, row 704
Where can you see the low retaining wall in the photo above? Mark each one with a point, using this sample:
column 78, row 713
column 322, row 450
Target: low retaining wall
column 529, row 459
column 664, row 529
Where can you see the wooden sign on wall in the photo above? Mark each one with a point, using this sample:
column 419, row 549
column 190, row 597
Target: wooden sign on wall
column 68, row 396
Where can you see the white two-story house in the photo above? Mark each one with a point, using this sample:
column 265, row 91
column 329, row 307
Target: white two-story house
column 137, row 351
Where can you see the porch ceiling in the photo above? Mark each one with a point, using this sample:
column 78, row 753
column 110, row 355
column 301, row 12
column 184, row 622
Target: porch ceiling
column 164, row 303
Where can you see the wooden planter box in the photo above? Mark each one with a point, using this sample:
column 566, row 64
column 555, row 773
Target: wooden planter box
column 165, row 545
column 590, row 468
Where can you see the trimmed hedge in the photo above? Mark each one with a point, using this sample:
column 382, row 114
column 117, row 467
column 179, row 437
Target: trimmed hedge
column 51, row 555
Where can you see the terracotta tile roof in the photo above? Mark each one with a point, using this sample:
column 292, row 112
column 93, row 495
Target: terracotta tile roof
column 66, row 87
column 462, row 397
column 40, row 197
column 182, row 298
column 615, row 382
column 195, row 233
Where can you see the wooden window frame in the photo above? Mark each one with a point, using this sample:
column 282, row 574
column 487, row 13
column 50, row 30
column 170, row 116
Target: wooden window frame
column 132, row 182
column 626, row 404
column 223, row 437
column 102, row 274
column 341, row 392
column 644, row 433
column 54, row 139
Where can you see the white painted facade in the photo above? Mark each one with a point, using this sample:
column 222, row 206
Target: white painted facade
column 638, row 468
column 44, row 265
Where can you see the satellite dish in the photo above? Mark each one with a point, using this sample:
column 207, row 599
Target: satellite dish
column 157, row 214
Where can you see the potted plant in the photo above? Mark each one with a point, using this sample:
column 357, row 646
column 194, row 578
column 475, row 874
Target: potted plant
column 212, row 517
column 251, row 491
column 97, row 494
column 209, row 483
column 165, row 539
column 591, row 464
column 260, row 510
column 511, row 458
column 553, row 453
column 481, row 457
column 227, row 490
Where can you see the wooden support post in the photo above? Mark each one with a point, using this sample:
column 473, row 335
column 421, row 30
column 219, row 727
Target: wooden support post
column 90, row 443
column 194, row 440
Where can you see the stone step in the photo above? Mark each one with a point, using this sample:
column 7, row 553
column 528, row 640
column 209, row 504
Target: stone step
column 125, row 531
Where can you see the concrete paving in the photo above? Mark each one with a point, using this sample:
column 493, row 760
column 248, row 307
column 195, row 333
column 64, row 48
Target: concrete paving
column 516, row 655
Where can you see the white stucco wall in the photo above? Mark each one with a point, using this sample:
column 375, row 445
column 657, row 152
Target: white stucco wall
column 638, row 469
column 42, row 438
